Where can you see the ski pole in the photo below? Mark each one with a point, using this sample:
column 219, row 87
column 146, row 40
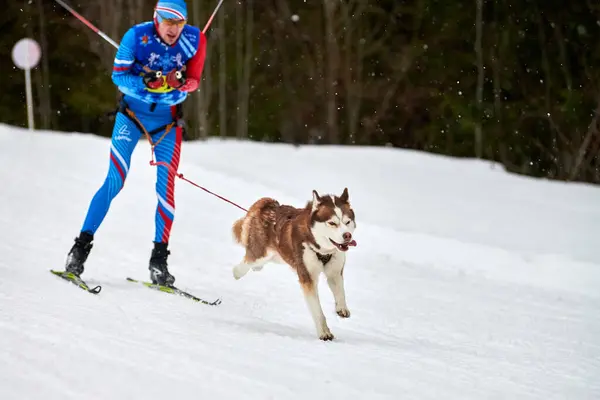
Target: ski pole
column 88, row 23
column 109, row 40
column 212, row 16
column 106, row 37
column 98, row 31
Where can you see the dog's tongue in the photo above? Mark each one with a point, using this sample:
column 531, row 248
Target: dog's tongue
column 352, row 243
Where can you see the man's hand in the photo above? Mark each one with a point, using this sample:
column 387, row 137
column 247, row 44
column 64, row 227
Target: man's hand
column 154, row 79
column 176, row 78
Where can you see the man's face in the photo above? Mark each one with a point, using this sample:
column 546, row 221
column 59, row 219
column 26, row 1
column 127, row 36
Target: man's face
column 169, row 30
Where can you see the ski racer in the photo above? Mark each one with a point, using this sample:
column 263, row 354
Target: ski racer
column 157, row 65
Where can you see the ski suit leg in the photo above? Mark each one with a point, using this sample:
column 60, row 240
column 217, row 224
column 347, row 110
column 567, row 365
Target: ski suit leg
column 167, row 151
column 125, row 137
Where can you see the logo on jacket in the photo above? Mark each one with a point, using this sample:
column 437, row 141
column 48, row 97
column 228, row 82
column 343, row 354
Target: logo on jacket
column 145, row 40
column 152, row 59
column 177, row 60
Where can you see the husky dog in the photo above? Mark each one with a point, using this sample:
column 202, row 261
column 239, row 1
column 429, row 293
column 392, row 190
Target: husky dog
column 310, row 240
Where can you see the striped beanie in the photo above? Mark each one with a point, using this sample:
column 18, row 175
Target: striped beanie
column 170, row 9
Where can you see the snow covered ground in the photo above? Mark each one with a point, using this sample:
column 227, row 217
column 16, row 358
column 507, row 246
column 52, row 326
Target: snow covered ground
column 467, row 282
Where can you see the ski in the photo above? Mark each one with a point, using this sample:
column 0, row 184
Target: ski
column 176, row 291
column 77, row 281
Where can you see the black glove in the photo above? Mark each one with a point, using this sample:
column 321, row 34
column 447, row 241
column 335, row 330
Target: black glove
column 153, row 79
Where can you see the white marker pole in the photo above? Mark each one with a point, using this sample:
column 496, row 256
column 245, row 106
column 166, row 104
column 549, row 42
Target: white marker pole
column 26, row 54
column 29, row 100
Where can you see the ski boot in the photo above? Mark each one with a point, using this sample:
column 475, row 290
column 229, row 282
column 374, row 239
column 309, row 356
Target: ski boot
column 159, row 274
column 79, row 253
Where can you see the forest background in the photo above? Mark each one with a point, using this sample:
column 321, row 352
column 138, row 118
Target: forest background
column 516, row 82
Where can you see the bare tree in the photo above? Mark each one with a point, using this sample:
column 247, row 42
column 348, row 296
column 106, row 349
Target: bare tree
column 353, row 55
column 480, row 79
column 204, row 95
column 239, row 66
column 243, row 62
column 136, row 10
column 110, row 17
column 222, row 75
column 593, row 131
column 44, row 89
column 243, row 41
column 496, row 52
column 331, row 75
column 385, row 92
column 295, row 48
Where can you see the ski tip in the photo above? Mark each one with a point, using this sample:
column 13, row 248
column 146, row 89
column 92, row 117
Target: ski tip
column 95, row 290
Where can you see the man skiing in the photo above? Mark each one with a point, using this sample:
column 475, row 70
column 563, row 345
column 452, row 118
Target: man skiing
column 157, row 64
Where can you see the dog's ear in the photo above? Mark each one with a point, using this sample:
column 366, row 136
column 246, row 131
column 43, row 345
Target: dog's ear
column 316, row 200
column 316, row 197
column 344, row 196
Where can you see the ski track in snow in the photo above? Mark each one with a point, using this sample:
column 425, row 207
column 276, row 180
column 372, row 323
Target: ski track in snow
column 467, row 282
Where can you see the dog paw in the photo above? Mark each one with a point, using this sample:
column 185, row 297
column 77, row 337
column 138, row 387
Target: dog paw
column 239, row 271
column 325, row 334
column 343, row 312
column 259, row 268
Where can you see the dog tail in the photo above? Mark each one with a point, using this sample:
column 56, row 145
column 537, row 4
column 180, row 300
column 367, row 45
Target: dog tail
column 260, row 217
column 267, row 211
column 237, row 229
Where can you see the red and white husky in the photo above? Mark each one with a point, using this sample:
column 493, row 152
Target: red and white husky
column 311, row 240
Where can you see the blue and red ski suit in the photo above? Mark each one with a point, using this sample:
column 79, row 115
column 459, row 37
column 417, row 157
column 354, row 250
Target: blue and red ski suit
column 141, row 50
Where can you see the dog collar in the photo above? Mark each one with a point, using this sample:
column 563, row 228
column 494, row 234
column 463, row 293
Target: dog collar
column 324, row 258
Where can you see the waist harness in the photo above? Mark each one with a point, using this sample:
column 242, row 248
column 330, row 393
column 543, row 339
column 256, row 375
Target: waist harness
column 123, row 108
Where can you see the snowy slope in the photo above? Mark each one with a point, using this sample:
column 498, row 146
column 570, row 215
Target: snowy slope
column 467, row 282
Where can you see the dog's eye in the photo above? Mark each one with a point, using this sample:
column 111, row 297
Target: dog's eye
column 331, row 223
